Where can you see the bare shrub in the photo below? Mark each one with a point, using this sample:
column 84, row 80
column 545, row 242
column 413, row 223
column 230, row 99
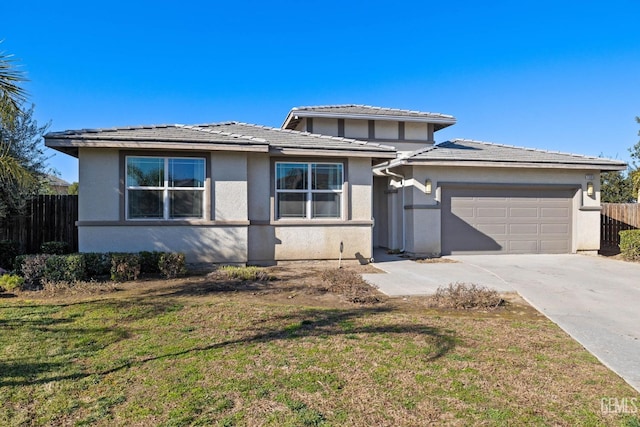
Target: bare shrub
column 466, row 297
column 351, row 285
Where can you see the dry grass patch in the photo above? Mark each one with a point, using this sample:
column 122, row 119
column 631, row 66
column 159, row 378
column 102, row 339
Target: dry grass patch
column 198, row 351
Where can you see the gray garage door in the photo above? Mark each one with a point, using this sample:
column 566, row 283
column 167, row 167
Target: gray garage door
column 501, row 220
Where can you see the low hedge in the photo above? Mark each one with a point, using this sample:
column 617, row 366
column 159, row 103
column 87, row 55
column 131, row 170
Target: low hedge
column 76, row 267
column 630, row 245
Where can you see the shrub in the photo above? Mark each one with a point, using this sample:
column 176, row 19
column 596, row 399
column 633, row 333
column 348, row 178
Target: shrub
column 65, row 268
column 10, row 282
column 464, row 296
column 150, row 261
column 124, row 266
column 55, row 248
column 17, row 263
column 97, row 264
column 172, row 265
column 630, row 245
column 245, row 273
column 9, row 249
column 32, row 269
column 351, row 285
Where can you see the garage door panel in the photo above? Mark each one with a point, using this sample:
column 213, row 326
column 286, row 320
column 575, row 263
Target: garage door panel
column 523, row 212
column 491, row 212
column 561, row 229
column 554, row 212
column 554, row 247
column 493, row 229
column 503, row 220
column 524, row 229
column 523, row 246
column 463, row 212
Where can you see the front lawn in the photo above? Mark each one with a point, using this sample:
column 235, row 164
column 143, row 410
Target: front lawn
column 204, row 350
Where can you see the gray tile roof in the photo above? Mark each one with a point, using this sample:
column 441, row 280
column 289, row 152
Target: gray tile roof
column 366, row 112
column 463, row 151
column 226, row 134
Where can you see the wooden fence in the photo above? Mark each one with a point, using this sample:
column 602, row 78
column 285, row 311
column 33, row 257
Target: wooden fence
column 616, row 217
column 47, row 218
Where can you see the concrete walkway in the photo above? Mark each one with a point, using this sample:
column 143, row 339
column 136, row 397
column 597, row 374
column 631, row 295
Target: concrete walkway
column 594, row 299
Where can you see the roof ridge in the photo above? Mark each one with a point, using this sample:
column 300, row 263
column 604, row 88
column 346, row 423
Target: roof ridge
column 201, row 128
column 316, row 135
column 539, row 150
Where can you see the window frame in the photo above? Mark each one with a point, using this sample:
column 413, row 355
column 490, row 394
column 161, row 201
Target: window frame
column 309, row 191
column 166, row 188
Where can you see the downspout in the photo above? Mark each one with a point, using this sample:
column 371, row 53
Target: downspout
column 387, row 172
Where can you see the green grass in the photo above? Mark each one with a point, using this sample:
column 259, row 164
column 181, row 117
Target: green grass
column 227, row 359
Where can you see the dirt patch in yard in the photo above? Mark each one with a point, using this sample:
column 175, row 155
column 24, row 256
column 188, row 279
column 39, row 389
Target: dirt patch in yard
column 308, row 283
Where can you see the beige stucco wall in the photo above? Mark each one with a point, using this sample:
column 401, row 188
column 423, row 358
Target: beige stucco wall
column 322, row 242
column 199, row 244
column 386, row 129
column 360, row 181
column 240, row 188
column 423, row 219
column 325, row 126
column 99, row 189
column 271, row 239
column 414, row 130
column 229, row 186
column 358, row 129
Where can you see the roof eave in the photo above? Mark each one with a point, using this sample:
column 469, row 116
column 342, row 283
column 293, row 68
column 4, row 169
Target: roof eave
column 72, row 145
column 605, row 167
column 442, row 121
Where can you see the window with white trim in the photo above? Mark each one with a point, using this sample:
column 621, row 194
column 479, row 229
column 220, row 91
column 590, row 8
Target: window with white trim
column 165, row 188
column 309, row 190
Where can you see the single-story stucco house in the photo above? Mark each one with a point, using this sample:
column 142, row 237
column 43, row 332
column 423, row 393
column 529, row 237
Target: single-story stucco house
column 332, row 178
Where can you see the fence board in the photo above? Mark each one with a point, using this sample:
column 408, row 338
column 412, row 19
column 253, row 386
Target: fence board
column 47, row 218
column 616, row 217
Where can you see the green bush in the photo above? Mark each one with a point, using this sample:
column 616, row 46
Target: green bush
column 172, row 265
column 97, row 264
column 65, row 268
column 150, row 261
column 55, row 248
column 32, row 269
column 124, row 267
column 251, row 273
column 10, row 282
column 9, row 249
column 630, row 245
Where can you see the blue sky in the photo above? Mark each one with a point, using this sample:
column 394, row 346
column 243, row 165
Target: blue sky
column 556, row 75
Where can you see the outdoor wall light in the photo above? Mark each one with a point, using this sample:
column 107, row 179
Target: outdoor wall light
column 590, row 189
column 427, row 187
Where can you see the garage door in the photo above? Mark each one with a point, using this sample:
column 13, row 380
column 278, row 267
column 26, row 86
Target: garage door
column 501, row 220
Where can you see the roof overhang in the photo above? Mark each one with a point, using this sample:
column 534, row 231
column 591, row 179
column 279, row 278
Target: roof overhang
column 71, row 146
column 295, row 116
column 604, row 167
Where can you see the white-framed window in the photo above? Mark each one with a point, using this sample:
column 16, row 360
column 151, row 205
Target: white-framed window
column 309, row 190
column 164, row 188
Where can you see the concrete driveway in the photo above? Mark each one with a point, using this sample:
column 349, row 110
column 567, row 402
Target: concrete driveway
column 594, row 299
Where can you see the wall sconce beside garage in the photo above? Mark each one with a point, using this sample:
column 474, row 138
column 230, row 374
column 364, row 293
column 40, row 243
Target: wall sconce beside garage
column 590, row 190
column 428, row 187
